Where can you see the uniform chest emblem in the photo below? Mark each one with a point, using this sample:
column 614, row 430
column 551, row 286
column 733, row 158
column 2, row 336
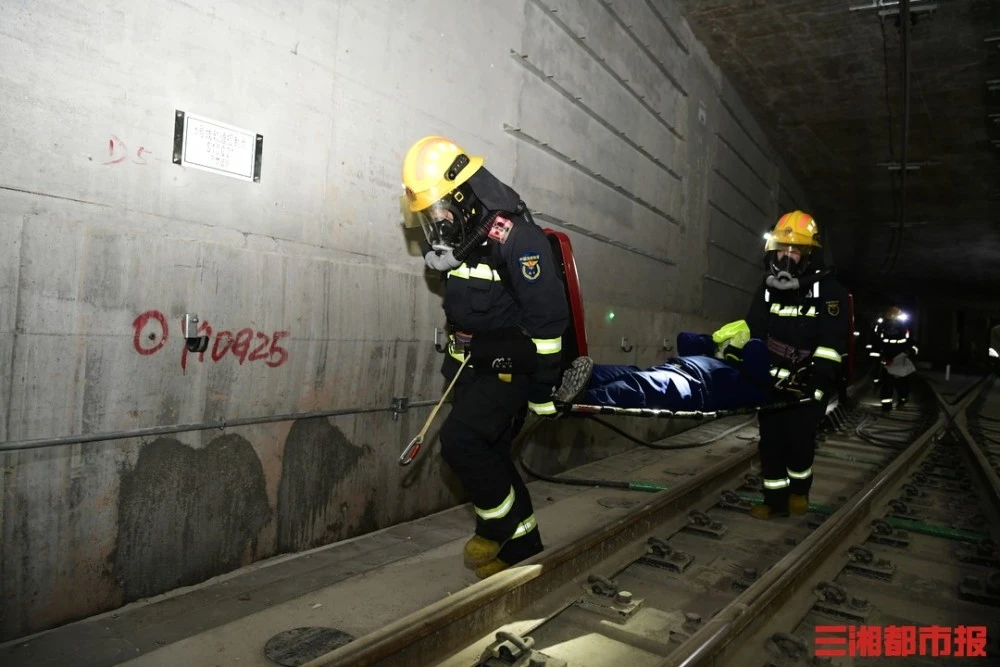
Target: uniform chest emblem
column 501, row 229
column 833, row 308
column 530, row 268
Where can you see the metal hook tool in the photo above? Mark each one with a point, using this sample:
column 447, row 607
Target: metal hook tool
column 412, row 449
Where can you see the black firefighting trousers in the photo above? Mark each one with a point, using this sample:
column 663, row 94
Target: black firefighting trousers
column 486, row 415
column 890, row 383
column 787, row 446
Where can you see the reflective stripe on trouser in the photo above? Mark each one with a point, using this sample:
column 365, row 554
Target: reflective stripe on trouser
column 786, row 447
column 891, row 385
column 500, row 511
column 485, row 417
column 525, row 527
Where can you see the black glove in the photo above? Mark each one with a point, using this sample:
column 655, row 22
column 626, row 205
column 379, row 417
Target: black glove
column 818, row 387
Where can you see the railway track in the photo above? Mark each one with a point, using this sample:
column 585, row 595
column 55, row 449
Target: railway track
column 900, row 535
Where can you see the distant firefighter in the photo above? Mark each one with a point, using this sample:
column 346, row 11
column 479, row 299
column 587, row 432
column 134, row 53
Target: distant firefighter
column 894, row 347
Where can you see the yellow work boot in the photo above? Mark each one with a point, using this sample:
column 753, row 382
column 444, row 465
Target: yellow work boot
column 480, row 550
column 491, row 568
column 765, row 512
column 798, row 505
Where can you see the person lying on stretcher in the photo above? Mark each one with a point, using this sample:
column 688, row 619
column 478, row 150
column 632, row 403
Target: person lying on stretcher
column 723, row 371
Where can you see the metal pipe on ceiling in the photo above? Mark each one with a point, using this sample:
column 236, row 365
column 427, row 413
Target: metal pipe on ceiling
column 904, row 27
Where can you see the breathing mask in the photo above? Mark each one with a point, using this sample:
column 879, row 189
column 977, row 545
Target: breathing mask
column 447, row 222
column 787, row 264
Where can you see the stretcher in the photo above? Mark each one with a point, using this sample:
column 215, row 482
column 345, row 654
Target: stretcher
column 575, row 345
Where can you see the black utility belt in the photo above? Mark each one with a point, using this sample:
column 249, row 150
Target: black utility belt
column 509, row 351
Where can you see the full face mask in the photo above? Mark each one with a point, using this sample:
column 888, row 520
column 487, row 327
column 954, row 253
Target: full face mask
column 446, row 222
column 785, row 271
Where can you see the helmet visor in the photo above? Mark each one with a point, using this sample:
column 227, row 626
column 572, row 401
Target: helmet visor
column 438, row 222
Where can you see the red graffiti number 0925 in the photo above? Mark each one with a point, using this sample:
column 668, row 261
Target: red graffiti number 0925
column 151, row 333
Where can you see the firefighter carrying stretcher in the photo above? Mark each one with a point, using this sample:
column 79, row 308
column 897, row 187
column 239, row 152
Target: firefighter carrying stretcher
column 507, row 310
column 802, row 313
column 799, row 314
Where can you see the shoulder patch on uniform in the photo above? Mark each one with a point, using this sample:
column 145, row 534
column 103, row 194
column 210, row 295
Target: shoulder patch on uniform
column 833, row 308
column 501, row 229
column 530, row 268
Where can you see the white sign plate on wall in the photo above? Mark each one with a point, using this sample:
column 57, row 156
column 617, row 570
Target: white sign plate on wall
column 203, row 143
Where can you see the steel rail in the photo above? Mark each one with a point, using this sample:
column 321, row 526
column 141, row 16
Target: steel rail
column 983, row 468
column 726, row 632
column 444, row 627
column 448, row 625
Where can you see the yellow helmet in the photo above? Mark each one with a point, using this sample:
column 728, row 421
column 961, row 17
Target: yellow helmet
column 795, row 228
column 433, row 167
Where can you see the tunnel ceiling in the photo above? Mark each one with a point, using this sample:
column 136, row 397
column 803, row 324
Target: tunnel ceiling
column 816, row 74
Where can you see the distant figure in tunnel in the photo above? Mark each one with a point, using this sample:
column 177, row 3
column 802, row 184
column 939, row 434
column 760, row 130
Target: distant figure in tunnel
column 506, row 308
column 703, row 377
column 894, row 347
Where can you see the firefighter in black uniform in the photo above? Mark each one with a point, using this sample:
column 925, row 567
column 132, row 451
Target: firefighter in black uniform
column 894, row 347
column 801, row 311
column 506, row 307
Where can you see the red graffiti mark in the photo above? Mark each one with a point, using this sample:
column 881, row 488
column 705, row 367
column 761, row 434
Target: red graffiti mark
column 150, row 333
column 275, row 348
column 260, row 352
column 241, row 346
column 222, row 337
column 152, row 326
column 113, row 144
column 117, row 147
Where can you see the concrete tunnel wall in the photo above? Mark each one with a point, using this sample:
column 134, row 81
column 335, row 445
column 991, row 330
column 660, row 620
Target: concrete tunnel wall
column 607, row 117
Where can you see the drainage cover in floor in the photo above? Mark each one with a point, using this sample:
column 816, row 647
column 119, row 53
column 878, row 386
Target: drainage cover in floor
column 292, row 648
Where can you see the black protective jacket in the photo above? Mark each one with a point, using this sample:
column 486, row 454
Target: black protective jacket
column 892, row 339
column 806, row 330
column 511, row 282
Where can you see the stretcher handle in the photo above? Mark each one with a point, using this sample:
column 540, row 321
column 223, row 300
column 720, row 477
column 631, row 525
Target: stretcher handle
column 412, row 449
column 680, row 414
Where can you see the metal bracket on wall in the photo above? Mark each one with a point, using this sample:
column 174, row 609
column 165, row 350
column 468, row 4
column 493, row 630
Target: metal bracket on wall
column 399, row 405
column 437, row 338
column 668, row 345
column 626, row 346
